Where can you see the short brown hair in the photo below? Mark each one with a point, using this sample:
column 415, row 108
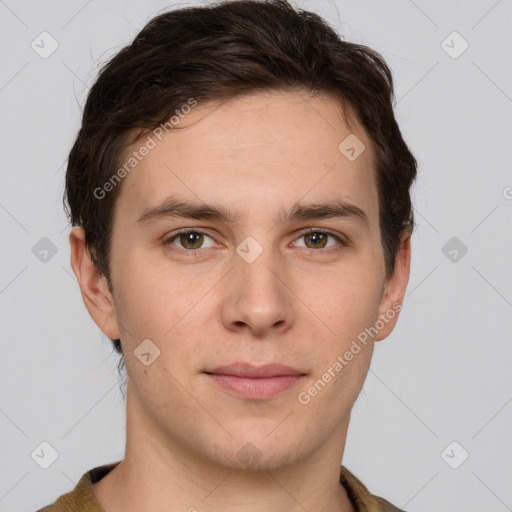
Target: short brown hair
column 219, row 52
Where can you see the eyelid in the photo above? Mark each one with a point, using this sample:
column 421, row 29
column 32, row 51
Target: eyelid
column 339, row 236
column 175, row 234
column 342, row 239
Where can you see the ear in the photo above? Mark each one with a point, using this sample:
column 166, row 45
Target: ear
column 394, row 290
column 93, row 285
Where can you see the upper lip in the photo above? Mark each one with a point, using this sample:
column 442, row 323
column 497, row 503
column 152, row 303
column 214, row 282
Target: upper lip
column 255, row 372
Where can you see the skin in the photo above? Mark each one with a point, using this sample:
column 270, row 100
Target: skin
column 296, row 304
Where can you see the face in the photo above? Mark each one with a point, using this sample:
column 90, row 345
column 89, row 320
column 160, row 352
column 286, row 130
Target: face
column 251, row 314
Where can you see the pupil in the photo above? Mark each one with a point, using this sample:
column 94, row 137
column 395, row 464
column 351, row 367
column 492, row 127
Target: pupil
column 191, row 239
column 317, row 238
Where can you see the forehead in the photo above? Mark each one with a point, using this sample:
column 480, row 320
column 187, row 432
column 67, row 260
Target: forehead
column 273, row 148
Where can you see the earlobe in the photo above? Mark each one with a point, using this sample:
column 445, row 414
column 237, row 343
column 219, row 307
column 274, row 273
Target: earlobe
column 93, row 285
column 394, row 291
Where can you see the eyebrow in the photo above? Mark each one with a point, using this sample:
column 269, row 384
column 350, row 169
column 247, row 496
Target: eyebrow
column 175, row 208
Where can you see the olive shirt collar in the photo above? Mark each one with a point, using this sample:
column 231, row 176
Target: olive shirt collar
column 82, row 498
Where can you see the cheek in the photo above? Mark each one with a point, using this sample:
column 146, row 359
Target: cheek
column 344, row 348
column 150, row 307
column 166, row 307
column 347, row 300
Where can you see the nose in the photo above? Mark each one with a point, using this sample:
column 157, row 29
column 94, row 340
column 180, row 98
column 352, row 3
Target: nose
column 258, row 298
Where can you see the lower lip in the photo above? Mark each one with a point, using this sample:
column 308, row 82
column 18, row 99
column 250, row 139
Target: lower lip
column 255, row 389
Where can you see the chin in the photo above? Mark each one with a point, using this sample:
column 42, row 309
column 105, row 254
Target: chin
column 263, row 447
column 251, row 457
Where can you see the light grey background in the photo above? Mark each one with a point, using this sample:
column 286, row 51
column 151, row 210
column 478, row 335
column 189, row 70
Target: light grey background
column 444, row 375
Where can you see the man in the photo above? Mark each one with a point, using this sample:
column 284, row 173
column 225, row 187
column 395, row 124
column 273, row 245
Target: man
column 240, row 195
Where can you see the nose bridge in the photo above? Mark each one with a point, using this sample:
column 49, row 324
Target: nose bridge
column 258, row 265
column 258, row 297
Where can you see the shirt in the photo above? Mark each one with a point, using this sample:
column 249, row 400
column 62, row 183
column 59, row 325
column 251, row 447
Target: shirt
column 82, row 498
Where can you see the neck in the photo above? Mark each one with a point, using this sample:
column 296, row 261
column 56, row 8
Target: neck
column 160, row 474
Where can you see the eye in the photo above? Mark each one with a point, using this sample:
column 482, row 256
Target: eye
column 318, row 239
column 190, row 239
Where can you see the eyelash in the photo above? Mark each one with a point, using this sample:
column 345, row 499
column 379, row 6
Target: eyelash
column 175, row 235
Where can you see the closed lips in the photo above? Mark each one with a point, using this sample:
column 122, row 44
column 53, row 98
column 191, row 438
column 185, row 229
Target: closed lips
column 247, row 370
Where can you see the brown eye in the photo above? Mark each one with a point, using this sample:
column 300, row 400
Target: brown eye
column 191, row 240
column 318, row 240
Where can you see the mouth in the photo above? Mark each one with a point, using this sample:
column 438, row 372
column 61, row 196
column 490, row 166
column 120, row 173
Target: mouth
column 255, row 383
